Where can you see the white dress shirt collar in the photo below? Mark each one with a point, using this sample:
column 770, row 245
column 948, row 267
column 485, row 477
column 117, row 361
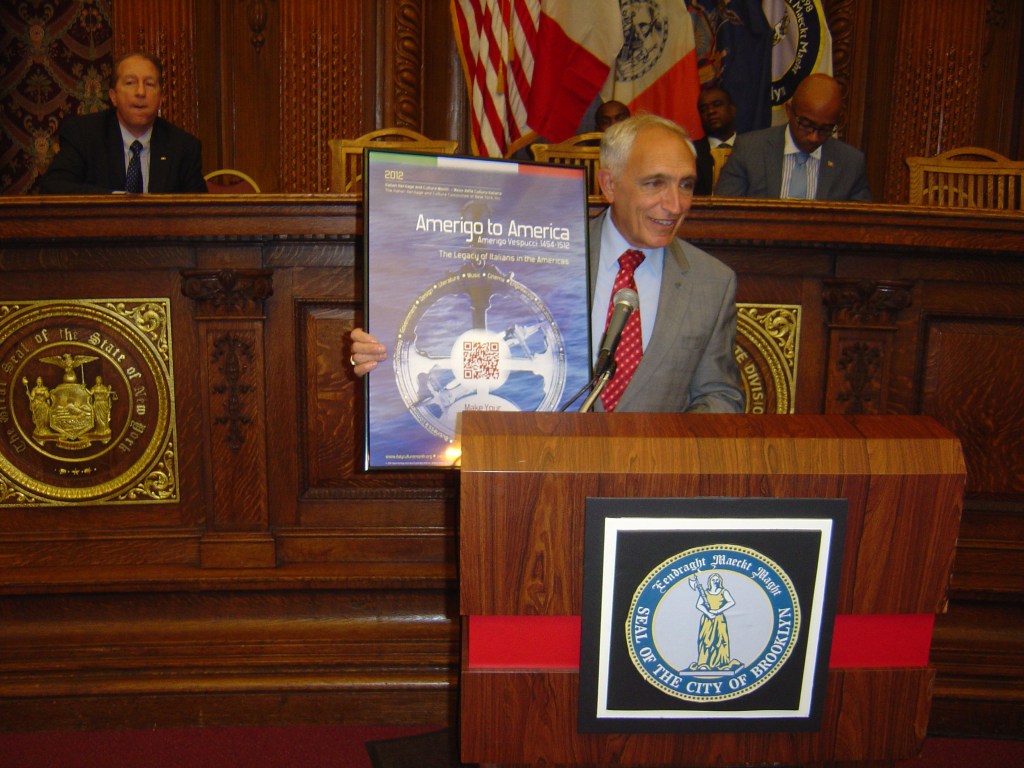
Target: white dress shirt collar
column 792, row 149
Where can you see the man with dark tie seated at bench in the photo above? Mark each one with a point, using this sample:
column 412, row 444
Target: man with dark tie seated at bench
column 676, row 350
column 127, row 148
column 718, row 119
column 800, row 160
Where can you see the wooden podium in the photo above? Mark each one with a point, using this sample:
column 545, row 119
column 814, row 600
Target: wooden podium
column 525, row 479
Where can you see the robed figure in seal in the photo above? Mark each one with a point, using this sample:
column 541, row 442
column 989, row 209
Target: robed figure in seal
column 713, row 653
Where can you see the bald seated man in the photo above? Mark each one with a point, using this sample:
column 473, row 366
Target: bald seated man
column 802, row 159
column 687, row 315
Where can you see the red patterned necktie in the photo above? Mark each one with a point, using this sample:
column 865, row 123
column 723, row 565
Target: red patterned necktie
column 631, row 348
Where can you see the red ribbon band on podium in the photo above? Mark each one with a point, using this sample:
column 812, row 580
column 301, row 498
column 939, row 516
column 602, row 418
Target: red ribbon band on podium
column 553, row 642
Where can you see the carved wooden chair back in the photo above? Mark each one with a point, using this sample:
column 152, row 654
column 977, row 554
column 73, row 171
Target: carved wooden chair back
column 967, row 177
column 347, row 154
column 230, row 181
column 582, row 150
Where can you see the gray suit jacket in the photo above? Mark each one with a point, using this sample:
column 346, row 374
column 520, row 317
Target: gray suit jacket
column 689, row 363
column 754, row 168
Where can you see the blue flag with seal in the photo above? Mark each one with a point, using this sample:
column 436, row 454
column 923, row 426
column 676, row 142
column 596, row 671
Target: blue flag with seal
column 734, row 52
column 801, row 44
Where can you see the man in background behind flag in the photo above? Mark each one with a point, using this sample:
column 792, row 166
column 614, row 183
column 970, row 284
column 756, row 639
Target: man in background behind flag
column 801, row 44
column 734, row 52
column 656, row 70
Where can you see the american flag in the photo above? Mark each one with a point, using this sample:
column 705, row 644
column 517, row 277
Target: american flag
column 496, row 41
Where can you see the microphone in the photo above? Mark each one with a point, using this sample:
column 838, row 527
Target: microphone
column 626, row 300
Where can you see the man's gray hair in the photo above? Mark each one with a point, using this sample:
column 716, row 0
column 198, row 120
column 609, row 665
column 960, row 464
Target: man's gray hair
column 617, row 141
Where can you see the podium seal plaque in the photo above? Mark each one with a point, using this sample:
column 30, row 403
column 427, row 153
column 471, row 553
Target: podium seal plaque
column 713, row 623
column 86, row 402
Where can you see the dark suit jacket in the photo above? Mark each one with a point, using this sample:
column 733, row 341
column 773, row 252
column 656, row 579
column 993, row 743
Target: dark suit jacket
column 754, row 168
column 91, row 158
column 705, row 167
column 689, row 363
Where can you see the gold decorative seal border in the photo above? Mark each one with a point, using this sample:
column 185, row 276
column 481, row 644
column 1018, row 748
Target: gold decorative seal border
column 87, row 403
column 767, row 352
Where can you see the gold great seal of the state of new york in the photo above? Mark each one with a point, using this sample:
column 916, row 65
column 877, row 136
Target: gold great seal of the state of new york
column 86, row 402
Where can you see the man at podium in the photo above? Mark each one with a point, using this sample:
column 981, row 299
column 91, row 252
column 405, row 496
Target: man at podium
column 675, row 349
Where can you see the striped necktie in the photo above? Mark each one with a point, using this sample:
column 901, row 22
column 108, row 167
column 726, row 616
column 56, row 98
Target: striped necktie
column 798, row 179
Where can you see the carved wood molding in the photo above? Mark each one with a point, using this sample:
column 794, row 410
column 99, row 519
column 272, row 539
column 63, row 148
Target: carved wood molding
column 863, row 302
column 406, row 81
column 233, row 357
column 997, row 16
column 235, row 410
column 841, row 16
column 860, row 369
column 256, row 17
column 234, row 549
column 862, row 328
column 229, row 305
column 228, row 291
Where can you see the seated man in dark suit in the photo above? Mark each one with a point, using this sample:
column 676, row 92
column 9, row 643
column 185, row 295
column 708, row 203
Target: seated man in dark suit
column 800, row 160
column 127, row 148
column 718, row 119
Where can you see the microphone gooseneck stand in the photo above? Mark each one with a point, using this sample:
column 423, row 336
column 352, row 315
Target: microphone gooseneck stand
column 599, row 384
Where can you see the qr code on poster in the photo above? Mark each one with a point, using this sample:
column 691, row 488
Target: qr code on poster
column 480, row 359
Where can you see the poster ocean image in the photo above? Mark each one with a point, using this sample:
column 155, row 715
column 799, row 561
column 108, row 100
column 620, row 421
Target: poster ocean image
column 477, row 284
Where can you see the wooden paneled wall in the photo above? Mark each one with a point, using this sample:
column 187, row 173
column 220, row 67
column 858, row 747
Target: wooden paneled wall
column 167, row 29
column 286, row 584
column 266, row 83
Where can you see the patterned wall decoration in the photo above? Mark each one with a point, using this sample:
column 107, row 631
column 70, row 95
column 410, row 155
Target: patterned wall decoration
column 55, row 61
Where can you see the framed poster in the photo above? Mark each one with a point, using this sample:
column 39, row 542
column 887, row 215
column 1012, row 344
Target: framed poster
column 477, row 283
column 708, row 614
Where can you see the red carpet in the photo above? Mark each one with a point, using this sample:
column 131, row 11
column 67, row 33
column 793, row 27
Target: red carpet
column 326, row 747
column 299, row 746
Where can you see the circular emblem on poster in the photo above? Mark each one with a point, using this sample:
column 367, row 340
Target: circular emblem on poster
column 713, row 623
column 478, row 340
column 800, row 41
column 86, row 402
